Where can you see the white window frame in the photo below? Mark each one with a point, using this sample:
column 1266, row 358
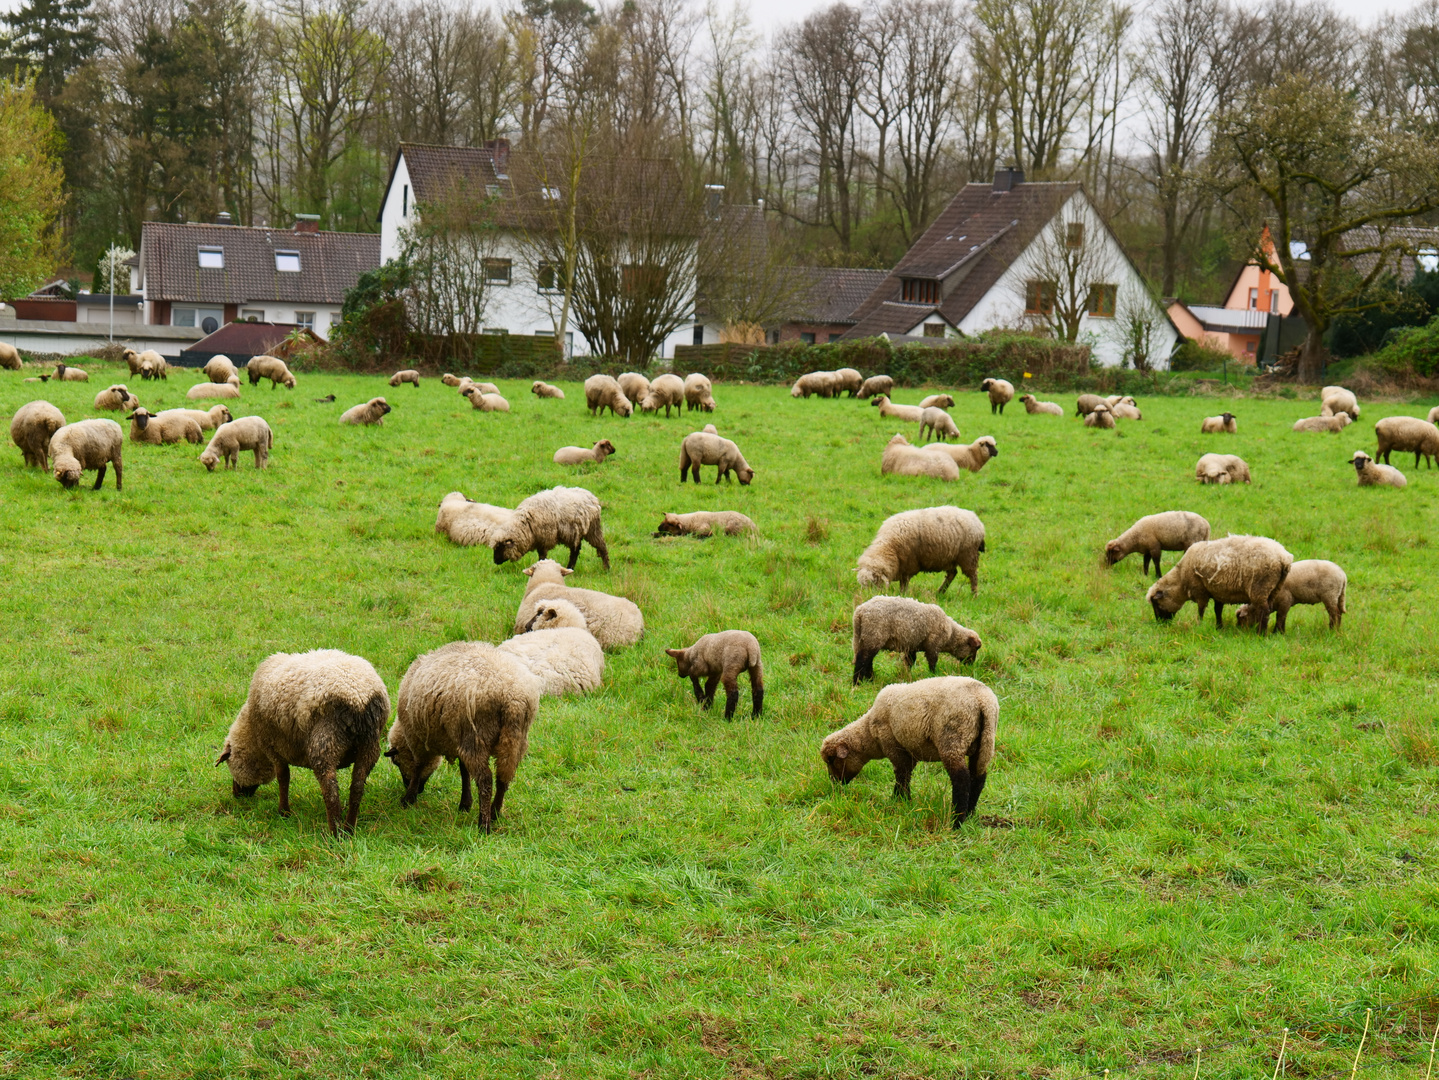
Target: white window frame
column 305, row 319
column 257, row 314
column 191, row 317
column 216, row 254
column 287, row 255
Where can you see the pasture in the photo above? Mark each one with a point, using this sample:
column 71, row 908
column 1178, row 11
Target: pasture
column 1189, row 837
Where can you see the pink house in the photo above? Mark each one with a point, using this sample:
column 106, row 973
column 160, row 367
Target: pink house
column 1238, row 325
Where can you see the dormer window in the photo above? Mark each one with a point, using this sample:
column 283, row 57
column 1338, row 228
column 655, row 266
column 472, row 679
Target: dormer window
column 212, row 258
column 921, row 291
column 287, row 262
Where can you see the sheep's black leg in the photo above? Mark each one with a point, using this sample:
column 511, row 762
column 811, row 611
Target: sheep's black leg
column 479, row 766
column 908, row 660
column 756, row 691
column 711, row 685
column 933, row 658
column 699, row 694
column 282, row 777
column 731, row 696
column 574, row 556
column 465, row 799
column 1218, row 614
column 100, row 478
column 975, row 787
column 500, row 788
column 949, row 577
column 601, row 549
column 413, row 789
column 959, row 794
column 365, row 759
column 119, row 476
column 330, row 791
column 903, row 770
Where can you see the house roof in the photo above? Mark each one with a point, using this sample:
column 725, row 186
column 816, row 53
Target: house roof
column 1229, row 320
column 835, row 293
column 1402, row 263
column 434, row 170
column 969, row 246
column 330, row 263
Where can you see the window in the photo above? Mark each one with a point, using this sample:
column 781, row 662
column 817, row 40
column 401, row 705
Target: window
column 1274, row 302
column 497, row 271
column 1253, row 299
column 1428, row 260
column 212, row 258
column 1249, row 346
column 550, row 277
column 405, row 201
column 699, row 335
column 550, row 194
column 287, row 262
column 252, row 315
column 645, row 280
column 492, row 191
column 1074, row 234
column 1039, row 297
column 920, row 291
column 197, row 317
column 833, row 338
column 933, row 329
column 305, row 320
column 1101, row 301
column 808, row 339
column 494, row 330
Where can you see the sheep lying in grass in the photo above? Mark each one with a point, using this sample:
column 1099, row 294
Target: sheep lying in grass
column 1223, row 424
column 950, row 719
column 1221, row 469
column 1336, row 399
column 1033, row 405
column 1407, row 434
column 31, row 429
column 485, row 402
column 876, row 384
column 409, row 375
column 701, row 448
column 1234, row 570
column 450, row 380
column 1000, row 392
column 468, row 523
column 1125, row 411
column 246, row 433
column 116, row 398
column 722, row 658
column 208, row 421
column 163, row 428
column 1372, row 474
column 545, row 390
column 1154, row 534
column 699, row 393
column 561, row 516
column 1101, row 416
column 272, row 368
column 634, row 385
column 824, row 384
column 937, row 401
column 228, row 391
column 602, row 392
column 935, row 539
column 321, row 710
column 370, row 412
column 559, row 650
column 974, row 456
column 87, row 444
column 902, row 459
column 65, row 373
column 1333, row 424
column 220, row 369
column 578, row 455
column 1310, row 581
column 704, row 523
column 908, row 627
column 910, row 414
column 938, row 423
column 614, row 621
column 10, row 357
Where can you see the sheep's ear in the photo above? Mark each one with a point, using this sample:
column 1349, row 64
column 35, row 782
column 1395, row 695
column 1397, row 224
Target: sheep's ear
column 391, row 752
column 565, row 571
column 223, row 757
column 676, row 653
column 841, row 751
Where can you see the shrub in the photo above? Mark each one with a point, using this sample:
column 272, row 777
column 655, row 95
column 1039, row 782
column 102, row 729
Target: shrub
column 1193, row 356
column 1410, row 349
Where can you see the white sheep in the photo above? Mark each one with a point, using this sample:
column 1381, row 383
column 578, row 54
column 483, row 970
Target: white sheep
column 1309, row 581
column 937, row 401
column 152, row 365
column 1000, row 392
column 847, row 380
column 1373, row 474
column 1101, row 416
column 1154, row 534
column 1123, row 410
column 483, row 402
column 31, row 429
column 665, row 391
column 602, row 392
column 935, row 539
column 561, row 516
column 1033, row 406
column 1087, row 403
column 578, row 455
column 87, row 444
column 272, row 368
column 902, row 459
column 65, row 373
column 450, row 380
column 226, row 390
column 825, row 384
column 468, row 523
column 409, row 375
column 634, row 385
column 1221, row 469
column 1434, row 415
column 1336, row 399
column 876, row 384
column 1407, row 434
column 908, row 627
column 559, row 649
column 369, row 412
column 974, row 456
column 544, row 390
column 614, row 621
column 938, row 423
column 163, row 428
column 704, row 523
column 1234, row 570
column 208, row 421
column 220, row 369
column 246, row 433
column 1223, row 424
column 116, row 398
column 1332, row 424
column 699, row 393
column 702, row 448
column 10, row 358
column 910, row 414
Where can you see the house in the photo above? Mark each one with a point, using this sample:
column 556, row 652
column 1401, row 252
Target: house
column 1238, row 325
column 239, row 341
column 207, row 275
column 831, row 297
column 1018, row 255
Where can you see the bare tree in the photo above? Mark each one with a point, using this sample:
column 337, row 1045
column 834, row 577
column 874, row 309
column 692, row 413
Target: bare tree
column 1072, row 273
column 747, row 275
column 449, row 256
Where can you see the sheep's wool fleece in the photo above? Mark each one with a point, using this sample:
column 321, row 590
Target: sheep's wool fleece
column 1179, row 528
column 935, row 713
column 565, row 659
column 289, row 691
column 899, row 622
column 446, row 690
column 929, row 540
column 1234, row 570
column 467, row 523
column 613, row 620
column 562, row 514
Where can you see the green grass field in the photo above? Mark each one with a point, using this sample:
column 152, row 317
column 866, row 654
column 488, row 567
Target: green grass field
column 1189, row 837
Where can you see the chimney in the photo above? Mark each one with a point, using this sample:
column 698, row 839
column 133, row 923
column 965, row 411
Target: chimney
column 307, row 223
column 500, row 151
column 1008, row 179
column 224, row 218
column 714, row 198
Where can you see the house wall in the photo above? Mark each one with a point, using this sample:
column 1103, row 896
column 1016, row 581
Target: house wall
column 393, row 218
column 1253, row 278
column 163, row 313
column 823, row 332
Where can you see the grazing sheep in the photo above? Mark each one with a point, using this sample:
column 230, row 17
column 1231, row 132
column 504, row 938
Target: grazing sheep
column 64, row 373
column 937, row 401
column 910, row 414
column 938, row 422
column 220, row 369
column 151, row 365
column 1405, row 434
column 409, row 375
column 938, row 538
column 1336, row 399
column 1087, row 403
column 974, row 456
column 613, row 620
column 1234, row 570
column 667, row 390
column 1223, row 424
column 246, row 433
column 1033, row 405
column 163, row 428
column 701, row 448
column 1333, row 424
column 31, row 429
column 545, row 390
column 1372, row 474
column 578, row 455
column 847, row 380
column 1434, row 415
column 823, row 383
column 213, row 390
column 699, row 394
column 1310, row 581
column 1000, row 392
column 908, row 627
column 950, row 719
column 902, row 459
column 1124, row 411
column 485, row 402
column 468, row 523
column 321, row 710
column 116, row 398
column 1101, row 416
column 450, row 380
column 722, row 658
column 1154, row 534
column 634, row 385
column 1221, row 469
column 208, row 421
column 705, row 523
column 602, row 392
column 561, row 516
column 710, row 429
column 87, row 444
column 272, row 368
column 370, row 412
column 10, row 358
column 559, row 650
column 876, row 384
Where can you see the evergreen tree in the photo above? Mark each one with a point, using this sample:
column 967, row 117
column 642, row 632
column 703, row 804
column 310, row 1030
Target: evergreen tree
column 51, row 38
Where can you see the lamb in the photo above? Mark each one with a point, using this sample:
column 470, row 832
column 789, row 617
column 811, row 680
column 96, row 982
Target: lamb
column 902, row 459
column 1310, row 581
column 170, row 426
column 409, row 375
column 153, row 366
column 602, row 392
column 1154, row 534
column 699, row 394
column 246, row 433
column 1235, row 570
column 705, row 523
column 722, row 658
column 545, row 390
column 1033, row 405
column 31, row 429
column 560, row 516
column 1336, row 399
column 899, row 624
column 220, row 369
column 485, row 402
column 1000, row 392
column 701, row 448
column 10, row 357
column 559, row 650
column 1221, row 469
column 1101, row 416
column 614, row 621
column 470, row 701
column 272, row 368
column 116, row 398
column 369, row 412
column 665, row 391
column 1125, row 411
column 1406, row 433
column 974, row 456
column 938, row 422
column 846, row 379
column 950, row 719
column 87, row 444
column 634, row 385
column 450, row 380
column 937, row 401
column 213, row 390
column 1223, row 424
column 321, row 710
column 910, row 414
column 468, row 523
column 1372, row 474
column 1332, row 424
column 64, row 373
column 938, row 538
column 822, row 383
column 208, row 421
column 876, row 384
column 1087, row 403
column 578, row 455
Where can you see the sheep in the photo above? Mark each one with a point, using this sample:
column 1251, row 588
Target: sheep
column 634, row 385
column 1086, row 404
column 208, row 421
column 153, row 366
column 369, row 412
column 485, row 402
column 1332, row 424
column 1406, row 433
column 578, row 455
column 561, row 516
column 1154, row 534
column 328, row 399
column 876, row 384
column 467, row 522
column 10, row 357
column 482, row 387
column 701, row 448
column 31, row 429
column 63, row 373
column 699, row 393
column 1309, row 581
column 321, row 710
column 246, row 433
column 1221, row 469
column 409, row 375
column 163, row 428
column 972, row 457
column 910, row 414
column 1223, row 424
column 667, row 390
column 602, row 392
column 899, row 624
column 938, row 538
column 1434, row 415
column 902, row 459
column 559, row 650
column 219, row 369
column 1033, row 406
column 1101, row 416
column 1372, row 474
column 822, row 383
column 710, row 429
column 938, row 401
column 1125, row 411
column 450, row 380
column 950, row 719
column 1121, row 399
column 1000, row 392
column 1235, row 570
column 87, row 444
column 705, row 523
column 614, row 621
column 1336, row 399
column 938, row 422
column 272, row 368
column 228, row 391
column 846, row 379
column 722, row 658
column 116, row 398
column 545, row 390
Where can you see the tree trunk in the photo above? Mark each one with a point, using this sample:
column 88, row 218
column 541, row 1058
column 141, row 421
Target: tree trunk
column 1312, row 355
